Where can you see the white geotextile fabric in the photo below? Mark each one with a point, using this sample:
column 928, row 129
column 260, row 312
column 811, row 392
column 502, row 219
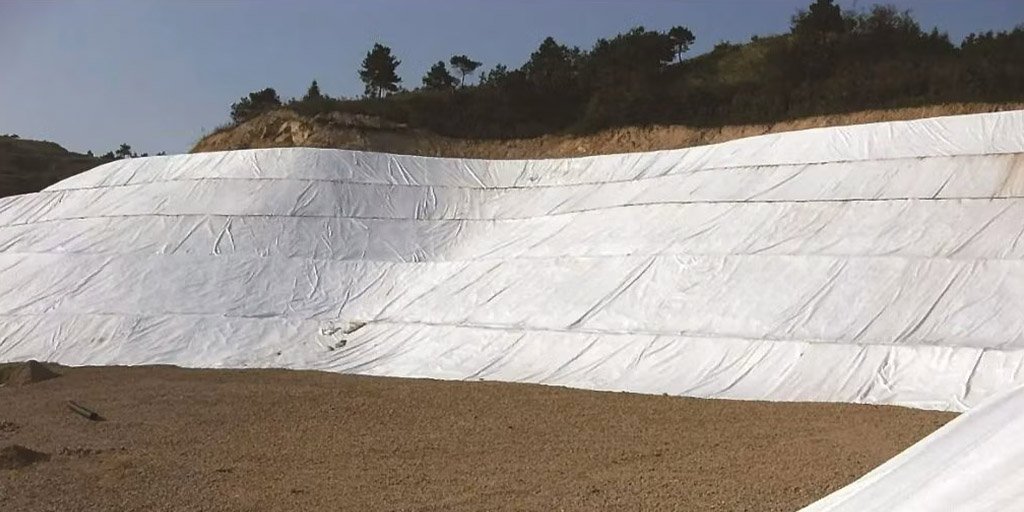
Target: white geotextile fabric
column 971, row 464
column 872, row 264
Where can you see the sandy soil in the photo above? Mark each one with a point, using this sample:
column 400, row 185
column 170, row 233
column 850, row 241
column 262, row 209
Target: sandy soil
column 177, row 439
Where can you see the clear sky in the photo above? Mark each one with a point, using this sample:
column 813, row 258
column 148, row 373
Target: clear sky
column 157, row 74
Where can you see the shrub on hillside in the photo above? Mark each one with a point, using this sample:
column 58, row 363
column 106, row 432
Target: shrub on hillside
column 256, row 103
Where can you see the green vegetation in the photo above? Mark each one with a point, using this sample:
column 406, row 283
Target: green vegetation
column 378, row 72
column 465, row 66
column 829, row 62
column 32, row 165
column 257, row 102
column 438, row 78
column 313, row 93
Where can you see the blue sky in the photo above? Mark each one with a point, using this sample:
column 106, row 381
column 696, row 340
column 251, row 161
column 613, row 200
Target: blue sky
column 93, row 74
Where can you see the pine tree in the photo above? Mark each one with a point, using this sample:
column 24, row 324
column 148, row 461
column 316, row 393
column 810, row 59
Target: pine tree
column 313, row 93
column 464, row 65
column 553, row 66
column 438, row 78
column 378, row 72
column 821, row 17
column 681, row 38
column 255, row 104
column 124, row 151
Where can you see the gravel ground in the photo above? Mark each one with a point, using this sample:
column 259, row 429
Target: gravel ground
column 179, row 439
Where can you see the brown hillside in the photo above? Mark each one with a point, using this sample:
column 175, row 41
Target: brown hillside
column 32, row 165
column 284, row 128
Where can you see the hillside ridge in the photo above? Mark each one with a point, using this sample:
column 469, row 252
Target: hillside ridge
column 31, row 165
column 286, row 128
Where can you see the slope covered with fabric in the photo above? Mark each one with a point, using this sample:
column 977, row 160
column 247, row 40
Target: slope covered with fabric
column 971, row 464
column 875, row 263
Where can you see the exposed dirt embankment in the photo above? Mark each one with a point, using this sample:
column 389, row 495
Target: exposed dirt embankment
column 284, row 128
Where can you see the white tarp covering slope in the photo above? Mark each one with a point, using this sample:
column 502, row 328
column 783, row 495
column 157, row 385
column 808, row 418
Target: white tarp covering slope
column 876, row 263
column 971, row 464
column 873, row 264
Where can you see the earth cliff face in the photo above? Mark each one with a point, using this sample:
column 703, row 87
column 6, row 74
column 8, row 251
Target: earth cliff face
column 284, row 128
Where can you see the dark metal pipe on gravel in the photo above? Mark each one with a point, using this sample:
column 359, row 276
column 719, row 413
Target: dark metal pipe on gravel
column 86, row 413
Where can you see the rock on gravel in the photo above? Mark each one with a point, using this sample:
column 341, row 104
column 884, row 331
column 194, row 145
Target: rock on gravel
column 21, row 374
column 16, row 457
